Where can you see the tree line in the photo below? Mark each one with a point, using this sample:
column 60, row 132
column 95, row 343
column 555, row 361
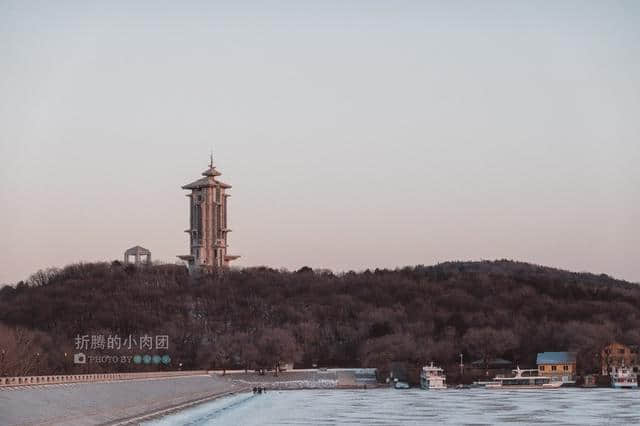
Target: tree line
column 258, row 318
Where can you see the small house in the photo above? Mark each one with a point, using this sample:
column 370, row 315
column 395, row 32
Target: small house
column 559, row 365
column 589, row 381
column 616, row 355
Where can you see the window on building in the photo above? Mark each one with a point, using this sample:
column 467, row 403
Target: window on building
column 541, row 368
column 553, row 368
column 621, row 351
column 565, row 368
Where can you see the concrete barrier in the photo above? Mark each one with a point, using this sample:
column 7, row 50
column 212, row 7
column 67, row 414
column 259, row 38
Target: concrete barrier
column 88, row 378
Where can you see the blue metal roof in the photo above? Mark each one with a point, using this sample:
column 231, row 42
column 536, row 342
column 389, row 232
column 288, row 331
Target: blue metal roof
column 556, row 358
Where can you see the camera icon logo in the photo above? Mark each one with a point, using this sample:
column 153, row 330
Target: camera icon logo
column 79, row 358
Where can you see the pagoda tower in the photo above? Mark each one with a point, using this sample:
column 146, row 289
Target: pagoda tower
column 208, row 223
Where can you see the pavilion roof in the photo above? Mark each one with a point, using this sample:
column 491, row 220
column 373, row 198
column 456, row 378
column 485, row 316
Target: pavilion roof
column 138, row 249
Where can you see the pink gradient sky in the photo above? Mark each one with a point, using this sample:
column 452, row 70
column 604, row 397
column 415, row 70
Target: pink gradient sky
column 355, row 134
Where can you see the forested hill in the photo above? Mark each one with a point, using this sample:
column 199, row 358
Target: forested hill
column 256, row 317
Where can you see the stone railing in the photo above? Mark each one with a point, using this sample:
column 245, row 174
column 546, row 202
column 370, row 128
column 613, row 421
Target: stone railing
column 88, row 378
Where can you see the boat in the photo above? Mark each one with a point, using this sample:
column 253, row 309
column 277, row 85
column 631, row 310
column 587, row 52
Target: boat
column 483, row 384
column 432, row 377
column 524, row 379
column 624, row 378
column 400, row 385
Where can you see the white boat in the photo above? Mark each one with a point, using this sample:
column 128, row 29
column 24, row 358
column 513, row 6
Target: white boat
column 432, row 377
column 624, row 378
column 483, row 383
column 524, row 379
column 400, row 385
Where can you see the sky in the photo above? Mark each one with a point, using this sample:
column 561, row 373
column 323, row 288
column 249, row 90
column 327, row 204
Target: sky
column 356, row 134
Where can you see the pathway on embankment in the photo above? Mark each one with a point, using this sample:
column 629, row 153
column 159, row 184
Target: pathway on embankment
column 336, row 378
column 105, row 402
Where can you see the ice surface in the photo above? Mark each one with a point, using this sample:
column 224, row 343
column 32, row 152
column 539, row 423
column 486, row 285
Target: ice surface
column 412, row 407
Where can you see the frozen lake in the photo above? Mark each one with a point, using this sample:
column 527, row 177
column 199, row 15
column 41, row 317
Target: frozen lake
column 414, row 406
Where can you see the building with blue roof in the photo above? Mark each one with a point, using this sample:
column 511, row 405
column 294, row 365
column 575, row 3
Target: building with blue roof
column 559, row 365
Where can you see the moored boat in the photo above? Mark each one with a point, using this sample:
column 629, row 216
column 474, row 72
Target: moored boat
column 432, row 377
column 483, row 383
column 400, row 385
column 624, row 378
column 523, row 379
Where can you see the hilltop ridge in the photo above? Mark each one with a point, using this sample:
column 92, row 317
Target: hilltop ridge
column 257, row 317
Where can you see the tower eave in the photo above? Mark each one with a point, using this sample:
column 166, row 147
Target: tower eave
column 200, row 183
column 211, row 171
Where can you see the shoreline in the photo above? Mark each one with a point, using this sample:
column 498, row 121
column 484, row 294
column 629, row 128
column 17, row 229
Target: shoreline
column 152, row 415
column 130, row 399
column 107, row 403
column 127, row 402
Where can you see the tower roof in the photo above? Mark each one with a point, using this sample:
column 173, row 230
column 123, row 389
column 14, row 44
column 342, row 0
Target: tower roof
column 211, row 171
column 208, row 180
column 204, row 182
